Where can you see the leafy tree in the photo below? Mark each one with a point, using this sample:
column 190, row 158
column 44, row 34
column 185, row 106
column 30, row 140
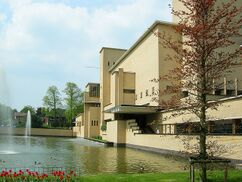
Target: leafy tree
column 52, row 100
column 28, row 108
column 204, row 55
column 36, row 119
column 73, row 100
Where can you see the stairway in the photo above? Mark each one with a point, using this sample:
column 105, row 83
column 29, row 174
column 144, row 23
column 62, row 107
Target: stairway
column 137, row 129
column 133, row 125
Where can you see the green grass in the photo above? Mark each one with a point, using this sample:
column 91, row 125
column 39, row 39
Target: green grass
column 215, row 176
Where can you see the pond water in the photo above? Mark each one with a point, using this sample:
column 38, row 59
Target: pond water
column 86, row 156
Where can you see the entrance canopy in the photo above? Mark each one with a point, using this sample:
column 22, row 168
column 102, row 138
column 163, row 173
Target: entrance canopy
column 132, row 109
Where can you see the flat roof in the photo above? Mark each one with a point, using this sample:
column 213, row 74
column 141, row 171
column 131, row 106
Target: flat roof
column 132, row 109
column 157, row 22
column 112, row 48
column 91, row 83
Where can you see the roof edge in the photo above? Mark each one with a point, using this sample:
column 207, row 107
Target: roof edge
column 112, row 48
column 157, row 22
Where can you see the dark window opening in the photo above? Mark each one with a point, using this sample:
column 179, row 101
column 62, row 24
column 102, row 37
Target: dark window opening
column 129, row 91
column 230, row 92
column 184, row 94
column 239, row 92
column 218, row 92
column 153, row 90
column 219, row 128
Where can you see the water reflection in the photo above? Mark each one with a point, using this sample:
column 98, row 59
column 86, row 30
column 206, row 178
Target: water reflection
column 85, row 156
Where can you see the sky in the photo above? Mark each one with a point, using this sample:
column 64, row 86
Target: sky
column 51, row 42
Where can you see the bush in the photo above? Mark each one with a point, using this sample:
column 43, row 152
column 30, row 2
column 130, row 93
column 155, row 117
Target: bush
column 104, row 127
column 98, row 137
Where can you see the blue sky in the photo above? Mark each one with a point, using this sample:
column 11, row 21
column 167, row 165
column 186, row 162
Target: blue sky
column 51, row 42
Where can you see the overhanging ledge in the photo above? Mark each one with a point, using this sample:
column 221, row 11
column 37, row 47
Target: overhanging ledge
column 132, row 109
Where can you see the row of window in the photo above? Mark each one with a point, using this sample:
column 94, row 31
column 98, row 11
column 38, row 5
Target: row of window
column 94, row 123
column 109, row 63
column 213, row 128
column 217, row 92
column 147, row 93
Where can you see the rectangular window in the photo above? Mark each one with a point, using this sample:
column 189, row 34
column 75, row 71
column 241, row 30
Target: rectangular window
column 94, row 91
column 230, row 92
column 239, row 92
column 129, row 91
column 140, row 94
column 147, row 92
column 153, row 90
column 218, row 92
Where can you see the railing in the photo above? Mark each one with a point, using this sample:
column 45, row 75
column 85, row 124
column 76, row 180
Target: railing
column 88, row 98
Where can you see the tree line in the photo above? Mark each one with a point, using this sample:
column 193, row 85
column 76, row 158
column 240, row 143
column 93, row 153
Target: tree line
column 69, row 106
column 57, row 111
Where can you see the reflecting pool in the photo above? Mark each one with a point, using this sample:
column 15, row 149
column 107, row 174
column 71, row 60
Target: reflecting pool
column 86, row 156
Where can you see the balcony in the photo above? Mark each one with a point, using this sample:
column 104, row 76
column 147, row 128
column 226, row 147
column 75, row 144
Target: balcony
column 90, row 99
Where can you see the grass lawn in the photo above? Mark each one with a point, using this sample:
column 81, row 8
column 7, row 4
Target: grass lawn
column 215, row 176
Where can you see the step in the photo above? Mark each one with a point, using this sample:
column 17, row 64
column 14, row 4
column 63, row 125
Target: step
column 133, row 124
column 137, row 132
column 135, row 127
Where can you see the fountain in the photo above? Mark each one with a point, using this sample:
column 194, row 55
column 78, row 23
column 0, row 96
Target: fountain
column 28, row 125
column 5, row 111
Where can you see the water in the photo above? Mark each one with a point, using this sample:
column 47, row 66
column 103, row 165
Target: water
column 86, row 156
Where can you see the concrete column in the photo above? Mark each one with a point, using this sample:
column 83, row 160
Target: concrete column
column 175, row 129
column 120, row 86
column 213, row 92
column 225, row 86
column 236, row 86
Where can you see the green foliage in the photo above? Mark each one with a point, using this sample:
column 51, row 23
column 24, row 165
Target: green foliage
column 28, row 108
column 52, row 100
column 73, row 101
column 98, row 137
column 104, row 127
column 36, row 117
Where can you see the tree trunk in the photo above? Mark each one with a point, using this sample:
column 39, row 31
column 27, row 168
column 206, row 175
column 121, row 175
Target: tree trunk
column 203, row 132
column 203, row 167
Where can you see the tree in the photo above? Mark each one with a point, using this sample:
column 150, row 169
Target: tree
column 36, row 120
column 52, row 100
column 74, row 101
column 203, row 57
column 28, row 108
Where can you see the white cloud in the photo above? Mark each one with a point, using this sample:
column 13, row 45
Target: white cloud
column 2, row 17
column 65, row 38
